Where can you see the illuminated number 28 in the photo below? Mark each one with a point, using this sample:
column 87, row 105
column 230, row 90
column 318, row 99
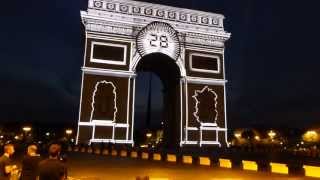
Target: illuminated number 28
column 163, row 40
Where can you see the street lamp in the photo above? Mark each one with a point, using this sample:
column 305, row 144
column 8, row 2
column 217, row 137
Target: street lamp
column 237, row 135
column 69, row 132
column 16, row 137
column 311, row 136
column 149, row 135
column 272, row 134
column 26, row 129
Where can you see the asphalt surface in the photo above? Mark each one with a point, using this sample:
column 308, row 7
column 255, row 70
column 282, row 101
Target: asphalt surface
column 82, row 166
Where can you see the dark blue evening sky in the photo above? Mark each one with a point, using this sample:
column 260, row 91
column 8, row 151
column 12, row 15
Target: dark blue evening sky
column 272, row 61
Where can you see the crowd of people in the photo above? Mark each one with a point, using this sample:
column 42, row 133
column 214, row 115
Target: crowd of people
column 33, row 167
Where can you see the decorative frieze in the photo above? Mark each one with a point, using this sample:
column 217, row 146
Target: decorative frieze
column 158, row 11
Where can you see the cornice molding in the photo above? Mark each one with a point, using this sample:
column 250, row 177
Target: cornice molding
column 158, row 11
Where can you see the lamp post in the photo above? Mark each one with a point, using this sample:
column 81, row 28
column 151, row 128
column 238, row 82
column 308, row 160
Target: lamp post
column 26, row 130
column 69, row 133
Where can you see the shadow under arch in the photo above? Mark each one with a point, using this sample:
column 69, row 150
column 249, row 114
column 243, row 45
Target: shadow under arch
column 167, row 70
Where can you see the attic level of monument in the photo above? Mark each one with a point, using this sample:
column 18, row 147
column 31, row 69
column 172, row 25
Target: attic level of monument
column 128, row 17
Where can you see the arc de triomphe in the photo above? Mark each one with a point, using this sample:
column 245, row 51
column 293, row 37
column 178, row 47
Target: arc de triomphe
column 124, row 37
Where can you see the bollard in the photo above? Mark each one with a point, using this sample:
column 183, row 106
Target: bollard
column 76, row 149
column 144, row 156
column 157, row 157
column 279, row 168
column 123, row 153
column 134, row 154
column 83, row 149
column 225, row 163
column 312, row 171
column 114, row 152
column 89, row 150
column 187, row 159
column 249, row 165
column 97, row 151
column 204, row 161
column 171, row 158
column 105, row 152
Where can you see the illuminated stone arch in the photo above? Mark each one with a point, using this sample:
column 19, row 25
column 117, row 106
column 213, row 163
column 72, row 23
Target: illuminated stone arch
column 118, row 35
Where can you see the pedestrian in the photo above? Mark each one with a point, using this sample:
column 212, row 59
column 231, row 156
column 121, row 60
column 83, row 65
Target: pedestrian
column 30, row 164
column 53, row 168
column 7, row 168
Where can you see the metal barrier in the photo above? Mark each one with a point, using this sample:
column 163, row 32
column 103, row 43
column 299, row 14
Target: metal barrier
column 260, row 165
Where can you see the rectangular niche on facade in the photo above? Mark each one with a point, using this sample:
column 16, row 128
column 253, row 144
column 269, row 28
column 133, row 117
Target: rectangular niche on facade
column 104, row 133
column 108, row 53
column 204, row 63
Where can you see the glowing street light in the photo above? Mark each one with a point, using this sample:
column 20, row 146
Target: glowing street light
column 26, row 129
column 69, row 132
column 149, row 135
column 311, row 136
column 272, row 134
column 237, row 135
column 257, row 138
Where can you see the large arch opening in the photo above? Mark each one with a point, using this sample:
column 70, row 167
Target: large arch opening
column 157, row 102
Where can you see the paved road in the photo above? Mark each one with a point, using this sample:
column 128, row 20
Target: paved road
column 98, row 167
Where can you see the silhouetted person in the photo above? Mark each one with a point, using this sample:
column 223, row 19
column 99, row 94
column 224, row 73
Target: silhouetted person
column 30, row 164
column 52, row 168
column 6, row 166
